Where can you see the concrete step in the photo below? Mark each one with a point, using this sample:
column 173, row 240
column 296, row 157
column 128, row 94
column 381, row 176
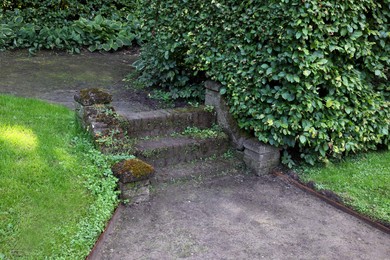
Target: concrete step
column 170, row 150
column 166, row 121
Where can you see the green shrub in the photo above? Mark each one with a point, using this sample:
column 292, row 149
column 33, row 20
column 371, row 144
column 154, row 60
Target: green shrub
column 306, row 74
column 68, row 25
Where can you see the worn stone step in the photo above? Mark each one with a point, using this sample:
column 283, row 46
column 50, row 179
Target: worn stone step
column 169, row 150
column 229, row 163
column 166, row 121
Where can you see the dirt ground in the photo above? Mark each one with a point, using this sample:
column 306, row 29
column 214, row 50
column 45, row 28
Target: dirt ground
column 238, row 216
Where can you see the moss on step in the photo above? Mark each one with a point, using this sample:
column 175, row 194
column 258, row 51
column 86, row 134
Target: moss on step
column 132, row 170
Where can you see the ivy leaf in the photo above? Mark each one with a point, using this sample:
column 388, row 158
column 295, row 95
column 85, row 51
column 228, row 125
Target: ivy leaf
column 302, row 139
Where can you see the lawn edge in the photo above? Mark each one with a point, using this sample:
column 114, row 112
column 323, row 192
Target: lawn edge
column 280, row 173
column 109, row 228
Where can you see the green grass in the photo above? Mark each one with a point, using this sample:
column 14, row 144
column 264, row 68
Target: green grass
column 362, row 181
column 56, row 190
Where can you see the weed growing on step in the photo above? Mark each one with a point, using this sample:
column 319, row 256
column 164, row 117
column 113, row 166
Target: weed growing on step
column 115, row 142
column 209, row 108
column 229, row 154
column 195, row 132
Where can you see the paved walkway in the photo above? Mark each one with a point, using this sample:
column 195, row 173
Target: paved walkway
column 231, row 217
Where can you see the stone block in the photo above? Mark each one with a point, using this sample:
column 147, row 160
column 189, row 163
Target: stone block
column 132, row 170
column 135, row 192
column 261, row 158
column 92, row 96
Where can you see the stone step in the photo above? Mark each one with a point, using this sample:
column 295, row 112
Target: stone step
column 170, row 150
column 166, row 121
column 201, row 170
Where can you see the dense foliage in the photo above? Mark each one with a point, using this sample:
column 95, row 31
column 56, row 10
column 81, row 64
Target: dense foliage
column 67, row 24
column 306, row 74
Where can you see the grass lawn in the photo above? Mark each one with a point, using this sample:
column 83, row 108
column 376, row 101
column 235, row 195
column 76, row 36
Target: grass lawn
column 56, row 190
column 363, row 182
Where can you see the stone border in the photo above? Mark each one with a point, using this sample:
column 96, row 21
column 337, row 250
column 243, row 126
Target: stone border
column 259, row 157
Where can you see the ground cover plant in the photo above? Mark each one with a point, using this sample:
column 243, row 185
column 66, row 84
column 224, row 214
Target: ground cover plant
column 57, row 191
column 362, row 181
column 309, row 75
column 68, row 25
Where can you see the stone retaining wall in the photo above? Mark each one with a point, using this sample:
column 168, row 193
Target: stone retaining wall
column 260, row 157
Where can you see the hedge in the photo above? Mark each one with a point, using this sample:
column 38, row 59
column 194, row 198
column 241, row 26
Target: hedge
column 68, row 24
column 304, row 74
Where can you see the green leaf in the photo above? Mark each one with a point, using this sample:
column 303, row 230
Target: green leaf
column 329, row 103
column 98, row 19
column 18, row 19
column 356, row 34
column 343, row 31
column 265, row 66
column 306, row 73
column 322, row 61
column 302, row 139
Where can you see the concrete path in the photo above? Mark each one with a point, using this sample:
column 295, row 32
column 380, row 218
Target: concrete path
column 230, row 217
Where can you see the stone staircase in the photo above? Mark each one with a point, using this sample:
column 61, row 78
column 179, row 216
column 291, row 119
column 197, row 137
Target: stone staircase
column 193, row 142
column 168, row 137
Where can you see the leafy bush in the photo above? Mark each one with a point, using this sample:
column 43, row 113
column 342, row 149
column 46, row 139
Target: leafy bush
column 68, row 25
column 296, row 73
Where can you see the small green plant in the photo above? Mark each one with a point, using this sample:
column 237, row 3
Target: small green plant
column 196, row 132
column 162, row 96
column 287, row 159
column 114, row 141
column 229, row 154
column 209, row 108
